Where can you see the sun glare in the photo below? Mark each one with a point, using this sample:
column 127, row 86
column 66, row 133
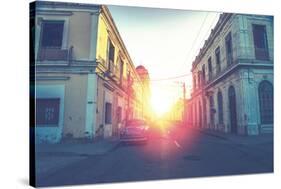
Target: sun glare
column 161, row 101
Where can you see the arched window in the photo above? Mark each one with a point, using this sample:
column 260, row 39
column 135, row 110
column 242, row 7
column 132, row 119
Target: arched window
column 266, row 102
column 220, row 107
column 232, row 109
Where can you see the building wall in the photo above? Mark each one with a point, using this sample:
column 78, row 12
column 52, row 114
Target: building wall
column 76, row 74
column 87, row 84
column 244, row 74
column 73, row 103
column 79, row 29
column 251, row 107
column 118, row 99
column 246, row 41
column 75, row 116
column 80, row 34
column 111, row 87
column 102, row 39
column 91, row 105
column 47, row 133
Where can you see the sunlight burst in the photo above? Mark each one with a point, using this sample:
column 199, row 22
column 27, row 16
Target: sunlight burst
column 161, row 100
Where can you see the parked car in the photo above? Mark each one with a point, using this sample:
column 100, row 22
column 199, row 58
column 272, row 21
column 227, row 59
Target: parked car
column 134, row 130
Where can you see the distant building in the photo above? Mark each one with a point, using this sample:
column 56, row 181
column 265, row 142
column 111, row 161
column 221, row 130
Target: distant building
column 85, row 80
column 176, row 112
column 233, row 77
column 146, row 92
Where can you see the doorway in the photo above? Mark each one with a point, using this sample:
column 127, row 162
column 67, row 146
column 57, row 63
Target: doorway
column 232, row 110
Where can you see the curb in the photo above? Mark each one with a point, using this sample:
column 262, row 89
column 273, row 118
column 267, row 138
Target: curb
column 110, row 147
column 213, row 134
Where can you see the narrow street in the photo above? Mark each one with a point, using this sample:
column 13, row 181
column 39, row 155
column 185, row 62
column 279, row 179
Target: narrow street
column 180, row 153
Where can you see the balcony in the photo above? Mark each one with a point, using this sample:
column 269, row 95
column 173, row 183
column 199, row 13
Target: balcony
column 55, row 54
column 261, row 54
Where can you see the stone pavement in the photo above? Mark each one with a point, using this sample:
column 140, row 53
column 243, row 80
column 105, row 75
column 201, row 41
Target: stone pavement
column 53, row 157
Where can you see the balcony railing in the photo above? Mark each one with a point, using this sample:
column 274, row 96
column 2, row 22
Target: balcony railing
column 261, row 54
column 55, row 54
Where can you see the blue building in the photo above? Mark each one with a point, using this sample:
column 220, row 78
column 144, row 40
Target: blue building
column 233, row 77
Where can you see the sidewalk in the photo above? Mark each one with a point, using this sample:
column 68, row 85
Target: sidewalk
column 240, row 139
column 99, row 147
column 53, row 157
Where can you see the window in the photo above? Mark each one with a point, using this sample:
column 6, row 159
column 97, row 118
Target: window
column 52, row 34
column 210, row 68
column 266, row 102
column 218, row 59
column 220, row 107
column 111, row 54
column 108, row 113
column 203, row 74
column 47, row 111
column 260, row 42
column 228, row 45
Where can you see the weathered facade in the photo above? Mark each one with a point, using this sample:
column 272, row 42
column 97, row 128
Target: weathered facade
column 84, row 76
column 233, row 77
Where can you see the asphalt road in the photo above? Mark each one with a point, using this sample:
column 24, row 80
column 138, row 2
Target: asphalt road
column 180, row 153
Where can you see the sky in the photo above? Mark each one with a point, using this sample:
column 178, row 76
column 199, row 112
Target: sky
column 166, row 42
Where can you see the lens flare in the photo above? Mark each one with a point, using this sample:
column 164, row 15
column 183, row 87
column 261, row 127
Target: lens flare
column 161, row 101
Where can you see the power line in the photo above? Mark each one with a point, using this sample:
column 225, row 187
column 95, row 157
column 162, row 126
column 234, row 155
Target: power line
column 195, row 39
column 166, row 78
column 206, row 34
column 171, row 78
column 189, row 54
column 213, row 21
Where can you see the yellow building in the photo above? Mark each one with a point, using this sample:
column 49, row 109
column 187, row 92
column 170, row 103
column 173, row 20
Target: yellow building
column 84, row 79
column 177, row 111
